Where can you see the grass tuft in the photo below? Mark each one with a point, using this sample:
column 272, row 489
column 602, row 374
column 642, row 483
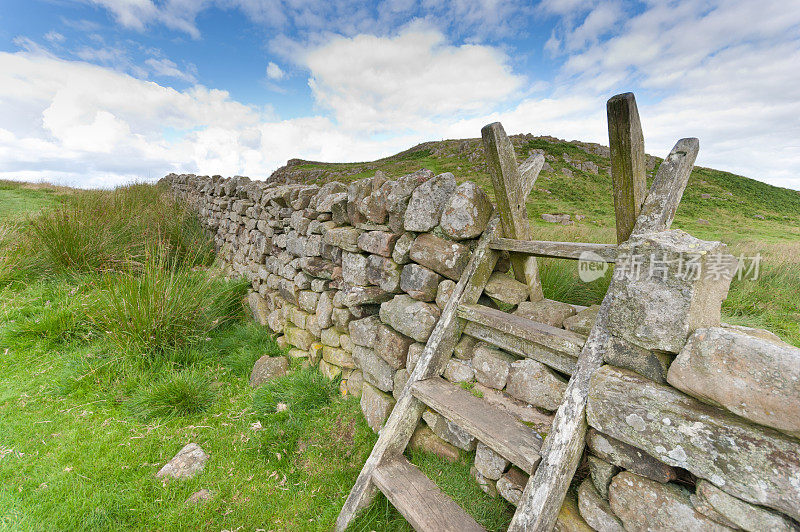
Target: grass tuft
column 303, row 391
column 182, row 393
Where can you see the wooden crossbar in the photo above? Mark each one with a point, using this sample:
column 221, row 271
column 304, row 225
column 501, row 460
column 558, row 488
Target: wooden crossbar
column 557, row 250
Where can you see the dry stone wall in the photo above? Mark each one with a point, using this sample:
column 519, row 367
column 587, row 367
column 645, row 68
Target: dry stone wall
column 694, row 424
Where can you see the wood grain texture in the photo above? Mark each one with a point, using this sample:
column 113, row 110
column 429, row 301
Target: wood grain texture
column 407, row 412
column 421, row 502
column 563, row 362
column 502, row 432
column 546, row 335
column 558, row 250
column 628, row 162
column 511, row 196
column 658, row 210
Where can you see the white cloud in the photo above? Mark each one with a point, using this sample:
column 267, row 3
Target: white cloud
column 274, row 72
column 54, row 37
column 165, row 68
column 407, row 81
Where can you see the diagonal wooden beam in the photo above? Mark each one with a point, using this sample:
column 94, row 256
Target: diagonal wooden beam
column 628, row 162
column 529, row 171
column 511, row 194
column 658, row 210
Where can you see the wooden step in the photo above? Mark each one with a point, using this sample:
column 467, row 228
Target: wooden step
column 557, row 250
column 551, row 337
column 502, row 432
column 419, row 499
column 519, row 346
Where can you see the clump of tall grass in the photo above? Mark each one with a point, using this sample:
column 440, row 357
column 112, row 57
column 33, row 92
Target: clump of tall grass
column 180, row 393
column 560, row 281
column 163, row 307
column 100, row 231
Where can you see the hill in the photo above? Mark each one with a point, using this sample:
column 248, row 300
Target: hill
column 576, row 181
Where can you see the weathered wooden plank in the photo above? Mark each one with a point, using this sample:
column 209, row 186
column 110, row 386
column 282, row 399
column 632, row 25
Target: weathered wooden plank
column 529, row 172
column 658, row 210
column 558, row 250
column 506, row 435
column 540, row 333
column 562, row 362
column 628, row 163
column 421, row 502
column 511, row 198
column 544, row 494
column 406, row 414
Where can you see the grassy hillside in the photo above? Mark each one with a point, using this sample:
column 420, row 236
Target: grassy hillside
column 717, row 204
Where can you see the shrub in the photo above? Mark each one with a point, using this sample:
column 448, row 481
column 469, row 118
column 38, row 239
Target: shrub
column 183, row 393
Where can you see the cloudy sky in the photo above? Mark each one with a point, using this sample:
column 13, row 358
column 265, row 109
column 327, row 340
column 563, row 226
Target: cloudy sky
column 100, row 92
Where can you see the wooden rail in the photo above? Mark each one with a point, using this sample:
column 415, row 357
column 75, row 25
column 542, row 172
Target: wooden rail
column 556, row 250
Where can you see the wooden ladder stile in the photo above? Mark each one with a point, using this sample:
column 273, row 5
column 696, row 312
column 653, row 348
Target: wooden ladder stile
column 400, row 425
column 551, row 463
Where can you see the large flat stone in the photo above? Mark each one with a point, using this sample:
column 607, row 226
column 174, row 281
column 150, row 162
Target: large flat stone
column 392, row 346
column 628, row 457
column 545, row 311
column 491, row 366
column 595, row 510
column 364, row 331
column 741, row 514
column 754, row 378
column 756, row 464
column 376, row 406
column 267, row 368
column 419, row 282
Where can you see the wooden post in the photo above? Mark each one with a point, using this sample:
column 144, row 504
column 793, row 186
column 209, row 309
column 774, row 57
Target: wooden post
column 511, row 194
column 628, row 162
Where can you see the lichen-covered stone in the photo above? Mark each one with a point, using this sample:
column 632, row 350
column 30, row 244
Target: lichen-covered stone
column 400, row 379
column 465, row 348
column 443, row 292
column 628, row 457
column 424, row 439
column 595, row 510
column 419, row 282
column 364, row 331
column 414, row 353
column 583, row 321
column 488, row 463
column 392, row 346
column 754, row 378
column 354, row 269
column 357, row 296
column 297, row 337
column 267, row 368
column 442, row 256
column 741, row 514
column 189, row 461
column 376, row 406
column 491, row 366
column 506, row 289
column 402, row 247
column 378, row 242
column 401, row 190
column 345, row 238
column 410, row 317
column 383, row 272
column 355, row 383
column 511, row 484
column 449, row 431
column 466, row 212
column 757, row 464
column 456, row 370
column 601, row 472
column 660, row 311
column 427, row 202
column 338, row 357
column 545, row 311
column 642, row 504
column 533, row 382
column 376, row 371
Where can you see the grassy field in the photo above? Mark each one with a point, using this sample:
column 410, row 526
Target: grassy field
column 121, row 346
column 120, row 342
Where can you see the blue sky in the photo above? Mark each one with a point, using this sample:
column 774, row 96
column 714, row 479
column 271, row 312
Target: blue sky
column 100, row 92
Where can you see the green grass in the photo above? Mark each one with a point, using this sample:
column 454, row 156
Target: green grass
column 112, row 364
